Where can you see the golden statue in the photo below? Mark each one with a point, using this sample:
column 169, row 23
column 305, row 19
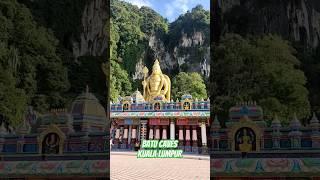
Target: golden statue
column 246, row 145
column 156, row 85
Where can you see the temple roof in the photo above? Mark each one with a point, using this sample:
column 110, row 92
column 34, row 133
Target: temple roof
column 137, row 97
column 250, row 109
column 87, row 104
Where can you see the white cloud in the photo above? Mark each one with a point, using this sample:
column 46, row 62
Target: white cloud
column 140, row 3
column 176, row 7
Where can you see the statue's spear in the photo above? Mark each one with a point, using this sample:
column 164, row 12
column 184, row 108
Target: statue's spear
column 144, row 82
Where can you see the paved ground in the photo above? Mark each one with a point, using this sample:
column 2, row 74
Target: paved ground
column 125, row 166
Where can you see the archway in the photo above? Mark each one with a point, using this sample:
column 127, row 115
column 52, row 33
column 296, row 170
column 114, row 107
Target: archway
column 50, row 144
column 245, row 130
column 245, row 140
column 51, row 141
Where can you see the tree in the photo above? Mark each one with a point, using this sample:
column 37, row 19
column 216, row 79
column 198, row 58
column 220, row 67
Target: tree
column 189, row 83
column 13, row 100
column 311, row 66
column 28, row 53
column 130, row 29
column 262, row 69
column 120, row 84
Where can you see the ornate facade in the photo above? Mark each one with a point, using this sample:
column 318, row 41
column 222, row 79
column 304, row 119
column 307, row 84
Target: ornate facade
column 58, row 143
column 154, row 115
column 248, row 145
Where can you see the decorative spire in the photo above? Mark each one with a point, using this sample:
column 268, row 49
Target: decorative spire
column 216, row 121
column 314, row 122
column 314, row 118
column 87, row 89
column 215, row 124
column 24, row 128
column 3, row 130
column 295, row 123
column 276, row 123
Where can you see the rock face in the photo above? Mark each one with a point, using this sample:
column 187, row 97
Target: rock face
column 191, row 54
column 93, row 39
column 296, row 20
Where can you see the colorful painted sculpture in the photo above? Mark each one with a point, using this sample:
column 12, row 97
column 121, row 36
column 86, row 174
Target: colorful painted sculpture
column 157, row 85
column 246, row 145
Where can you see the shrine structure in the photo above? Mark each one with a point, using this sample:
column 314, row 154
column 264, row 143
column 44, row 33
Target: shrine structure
column 154, row 115
column 246, row 146
column 59, row 143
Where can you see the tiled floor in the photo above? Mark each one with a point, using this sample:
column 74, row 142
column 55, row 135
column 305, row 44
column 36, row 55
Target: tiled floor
column 124, row 167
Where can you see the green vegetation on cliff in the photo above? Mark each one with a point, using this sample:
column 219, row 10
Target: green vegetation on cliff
column 195, row 20
column 131, row 30
column 31, row 71
column 65, row 19
column 297, row 83
column 263, row 69
column 189, row 83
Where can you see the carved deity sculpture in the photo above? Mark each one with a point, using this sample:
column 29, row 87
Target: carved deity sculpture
column 156, row 85
column 246, row 145
column 51, row 144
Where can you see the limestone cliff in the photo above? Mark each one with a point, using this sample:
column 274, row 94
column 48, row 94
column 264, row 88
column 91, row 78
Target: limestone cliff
column 93, row 38
column 296, row 20
column 191, row 53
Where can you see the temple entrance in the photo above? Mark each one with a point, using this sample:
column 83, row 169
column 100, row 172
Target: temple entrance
column 50, row 144
column 245, row 140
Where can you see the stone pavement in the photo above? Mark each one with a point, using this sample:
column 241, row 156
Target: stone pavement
column 125, row 166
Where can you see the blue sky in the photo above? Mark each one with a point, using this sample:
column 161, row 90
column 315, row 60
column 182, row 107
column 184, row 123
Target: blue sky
column 171, row 9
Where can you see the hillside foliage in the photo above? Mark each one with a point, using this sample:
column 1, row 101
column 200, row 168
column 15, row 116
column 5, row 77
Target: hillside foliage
column 131, row 28
column 31, row 71
column 263, row 69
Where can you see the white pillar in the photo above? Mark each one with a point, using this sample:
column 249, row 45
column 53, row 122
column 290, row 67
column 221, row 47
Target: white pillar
column 187, row 134
column 134, row 133
column 157, row 133
column 194, row 135
column 130, row 134
column 125, row 133
column 164, row 133
column 181, row 134
column 203, row 134
column 151, row 133
column 172, row 130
